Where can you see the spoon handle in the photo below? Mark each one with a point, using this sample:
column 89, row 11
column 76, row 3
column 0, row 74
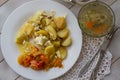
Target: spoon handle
column 70, row 1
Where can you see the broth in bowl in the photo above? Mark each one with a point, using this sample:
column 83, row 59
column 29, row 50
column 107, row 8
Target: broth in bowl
column 96, row 19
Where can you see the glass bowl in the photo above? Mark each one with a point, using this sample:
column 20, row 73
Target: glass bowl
column 96, row 19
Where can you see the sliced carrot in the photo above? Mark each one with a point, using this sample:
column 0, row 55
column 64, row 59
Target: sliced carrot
column 89, row 24
column 100, row 29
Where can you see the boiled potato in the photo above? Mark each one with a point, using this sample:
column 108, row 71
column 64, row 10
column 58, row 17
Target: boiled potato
column 60, row 22
column 49, row 50
column 43, row 32
column 56, row 43
column 28, row 28
column 48, row 21
column 24, row 59
column 63, row 52
column 67, row 41
column 20, row 59
column 43, row 22
column 53, row 24
column 24, row 32
column 27, row 47
column 20, row 37
column 52, row 32
column 36, row 17
column 63, row 33
column 51, row 57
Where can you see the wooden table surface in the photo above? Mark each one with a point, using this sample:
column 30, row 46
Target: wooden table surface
column 6, row 8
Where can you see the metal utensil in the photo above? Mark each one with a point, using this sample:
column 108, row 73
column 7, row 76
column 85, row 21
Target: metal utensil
column 102, row 49
column 79, row 2
column 70, row 1
column 75, row 2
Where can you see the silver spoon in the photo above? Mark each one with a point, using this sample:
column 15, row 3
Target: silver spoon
column 70, row 1
column 81, row 2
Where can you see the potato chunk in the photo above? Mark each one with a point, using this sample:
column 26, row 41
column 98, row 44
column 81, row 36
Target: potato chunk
column 20, row 58
column 60, row 22
column 56, row 43
column 53, row 24
column 67, row 41
column 20, row 38
column 49, row 50
column 25, row 31
column 63, row 33
column 43, row 32
column 37, row 17
column 52, row 32
column 62, row 53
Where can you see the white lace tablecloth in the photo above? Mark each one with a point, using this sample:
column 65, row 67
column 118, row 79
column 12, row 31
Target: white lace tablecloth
column 89, row 48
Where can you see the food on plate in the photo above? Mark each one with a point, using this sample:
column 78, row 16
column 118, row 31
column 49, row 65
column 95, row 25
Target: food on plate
column 60, row 22
column 43, row 40
column 63, row 33
column 67, row 41
column 56, row 43
column 63, row 52
column 42, row 32
column 52, row 32
column 24, row 32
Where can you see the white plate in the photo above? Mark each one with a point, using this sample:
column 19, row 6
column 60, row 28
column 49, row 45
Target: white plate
column 14, row 22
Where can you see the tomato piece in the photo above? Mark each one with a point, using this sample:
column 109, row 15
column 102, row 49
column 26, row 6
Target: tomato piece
column 89, row 24
column 26, row 60
column 34, row 65
column 57, row 63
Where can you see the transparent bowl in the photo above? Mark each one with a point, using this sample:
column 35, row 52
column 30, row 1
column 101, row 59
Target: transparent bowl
column 96, row 19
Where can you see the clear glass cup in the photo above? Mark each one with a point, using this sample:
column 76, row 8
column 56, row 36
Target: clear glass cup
column 96, row 19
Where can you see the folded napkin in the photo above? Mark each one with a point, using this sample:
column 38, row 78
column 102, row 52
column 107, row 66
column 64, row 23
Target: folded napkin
column 89, row 48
